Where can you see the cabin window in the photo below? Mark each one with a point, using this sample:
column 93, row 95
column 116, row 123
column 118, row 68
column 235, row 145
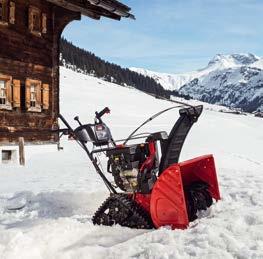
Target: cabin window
column 35, row 21
column 5, row 92
column 33, row 95
column 2, row 92
column 6, row 155
column 3, row 12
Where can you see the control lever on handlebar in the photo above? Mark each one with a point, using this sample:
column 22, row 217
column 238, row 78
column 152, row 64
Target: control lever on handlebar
column 77, row 119
column 101, row 113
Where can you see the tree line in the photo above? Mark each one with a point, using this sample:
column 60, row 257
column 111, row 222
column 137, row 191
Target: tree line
column 82, row 60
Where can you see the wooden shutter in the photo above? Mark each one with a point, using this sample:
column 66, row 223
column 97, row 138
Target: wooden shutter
column 45, row 96
column 44, row 23
column 12, row 13
column 38, row 94
column 28, row 85
column 16, row 93
column 30, row 19
column 9, row 91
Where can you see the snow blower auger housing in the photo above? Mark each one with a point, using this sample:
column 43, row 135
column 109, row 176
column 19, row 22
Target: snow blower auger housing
column 155, row 188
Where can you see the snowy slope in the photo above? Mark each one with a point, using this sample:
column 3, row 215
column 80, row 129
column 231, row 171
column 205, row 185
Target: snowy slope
column 60, row 190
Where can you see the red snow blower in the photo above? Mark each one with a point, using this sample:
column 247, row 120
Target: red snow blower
column 154, row 189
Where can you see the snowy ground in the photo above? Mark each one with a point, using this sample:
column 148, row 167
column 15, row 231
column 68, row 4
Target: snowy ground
column 61, row 190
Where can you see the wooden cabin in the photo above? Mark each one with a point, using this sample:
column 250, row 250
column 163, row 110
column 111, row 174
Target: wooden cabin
column 30, row 32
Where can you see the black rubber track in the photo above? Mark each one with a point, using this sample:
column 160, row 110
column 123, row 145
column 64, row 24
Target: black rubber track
column 121, row 209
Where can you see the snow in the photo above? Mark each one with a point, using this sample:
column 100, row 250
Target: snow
column 217, row 64
column 59, row 191
column 167, row 81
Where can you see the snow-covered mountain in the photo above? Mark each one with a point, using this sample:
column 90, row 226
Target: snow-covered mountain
column 237, row 82
column 233, row 80
column 167, row 81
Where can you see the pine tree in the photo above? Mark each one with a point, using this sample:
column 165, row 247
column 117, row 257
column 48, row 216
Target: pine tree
column 87, row 62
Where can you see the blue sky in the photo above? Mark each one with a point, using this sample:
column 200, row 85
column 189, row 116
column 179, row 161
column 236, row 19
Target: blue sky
column 173, row 35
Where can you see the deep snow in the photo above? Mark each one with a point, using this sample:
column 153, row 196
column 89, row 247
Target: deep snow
column 60, row 190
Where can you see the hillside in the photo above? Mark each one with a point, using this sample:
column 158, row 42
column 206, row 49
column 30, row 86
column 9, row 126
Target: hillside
column 86, row 62
column 232, row 80
column 61, row 191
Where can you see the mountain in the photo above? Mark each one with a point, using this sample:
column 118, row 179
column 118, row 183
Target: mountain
column 167, row 81
column 236, row 81
column 232, row 80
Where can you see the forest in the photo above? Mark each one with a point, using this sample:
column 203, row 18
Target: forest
column 86, row 62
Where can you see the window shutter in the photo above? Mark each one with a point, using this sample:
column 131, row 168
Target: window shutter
column 16, row 93
column 28, row 84
column 44, row 23
column 9, row 91
column 12, row 13
column 45, row 96
column 38, row 97
column 30, row 19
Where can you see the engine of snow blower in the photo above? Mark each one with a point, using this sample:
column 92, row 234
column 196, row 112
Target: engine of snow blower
column 156, row 189
column 135, row 167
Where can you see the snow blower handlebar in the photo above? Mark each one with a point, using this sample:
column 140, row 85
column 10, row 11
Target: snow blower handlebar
column 82, row 143
column 100, row 135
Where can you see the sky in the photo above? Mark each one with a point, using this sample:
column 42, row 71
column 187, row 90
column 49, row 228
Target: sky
column 173, row 36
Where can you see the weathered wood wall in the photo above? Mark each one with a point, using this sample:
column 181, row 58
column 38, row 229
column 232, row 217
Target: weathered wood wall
column 24, row 55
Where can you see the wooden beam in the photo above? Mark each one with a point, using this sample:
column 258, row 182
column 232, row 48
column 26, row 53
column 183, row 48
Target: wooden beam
column 75, row 8
column 96, row 8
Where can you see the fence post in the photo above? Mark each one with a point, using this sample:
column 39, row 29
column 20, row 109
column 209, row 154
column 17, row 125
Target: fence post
column 21, row 151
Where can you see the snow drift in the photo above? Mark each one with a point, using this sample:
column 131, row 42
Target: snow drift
column 58, row 192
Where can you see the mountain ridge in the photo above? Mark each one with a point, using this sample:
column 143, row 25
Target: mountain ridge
column 234, row 80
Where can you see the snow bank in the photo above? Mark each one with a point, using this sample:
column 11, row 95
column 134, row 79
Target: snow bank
column 58, row 192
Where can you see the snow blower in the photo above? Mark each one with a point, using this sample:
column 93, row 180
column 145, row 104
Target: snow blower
column 150, row 188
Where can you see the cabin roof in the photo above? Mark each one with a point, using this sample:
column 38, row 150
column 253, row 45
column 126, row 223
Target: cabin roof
column 96, row 8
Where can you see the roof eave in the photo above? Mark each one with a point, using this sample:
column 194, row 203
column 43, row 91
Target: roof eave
column 97, row 8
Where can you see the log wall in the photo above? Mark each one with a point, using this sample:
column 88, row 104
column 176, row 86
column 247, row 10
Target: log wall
column 26, row 55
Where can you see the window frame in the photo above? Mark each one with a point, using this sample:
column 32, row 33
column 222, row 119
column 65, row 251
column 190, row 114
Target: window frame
column 31, row 25
column 8, row 90
column 5, row 12
column 3, row 89
column 37, row 100
column 33, row 95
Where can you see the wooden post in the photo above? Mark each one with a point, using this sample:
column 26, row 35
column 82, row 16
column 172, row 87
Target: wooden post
column 21, row 144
